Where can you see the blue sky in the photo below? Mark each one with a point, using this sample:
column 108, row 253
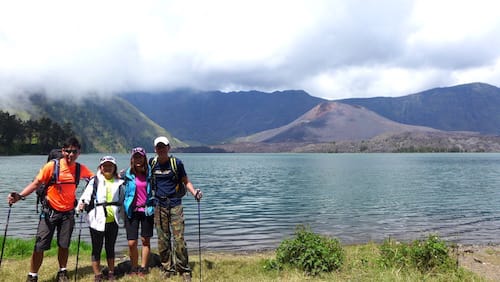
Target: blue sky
column 332, row 49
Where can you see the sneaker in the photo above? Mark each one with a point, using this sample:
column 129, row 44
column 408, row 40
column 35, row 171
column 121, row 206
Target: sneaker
column 111, row 276
column 62, row 276
column 186, row 276
column 98, row 278
column 32, row 278
column 142, row 271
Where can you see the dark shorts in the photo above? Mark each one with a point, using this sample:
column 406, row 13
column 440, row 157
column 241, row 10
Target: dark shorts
column 132, row 226
column 63, row 222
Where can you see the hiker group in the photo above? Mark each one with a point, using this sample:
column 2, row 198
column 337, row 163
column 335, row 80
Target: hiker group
column 146, row 195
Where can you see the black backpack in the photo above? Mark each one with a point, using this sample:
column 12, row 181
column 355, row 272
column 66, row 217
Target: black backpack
column 41, row 192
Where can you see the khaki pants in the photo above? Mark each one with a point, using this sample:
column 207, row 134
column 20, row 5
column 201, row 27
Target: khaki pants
column 170, row 221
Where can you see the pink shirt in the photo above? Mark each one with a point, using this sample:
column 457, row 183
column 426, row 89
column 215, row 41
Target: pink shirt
column 140, row 192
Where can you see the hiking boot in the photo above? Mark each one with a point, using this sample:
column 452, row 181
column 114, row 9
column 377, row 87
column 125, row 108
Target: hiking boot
column 166, row 273
column 62, row 276
column 186, row 276
column 98, row 278
column 32, row 278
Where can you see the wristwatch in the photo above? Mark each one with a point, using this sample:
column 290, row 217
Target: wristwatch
column 21, row 196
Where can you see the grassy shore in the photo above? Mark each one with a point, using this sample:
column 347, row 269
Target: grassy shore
column 361, row 264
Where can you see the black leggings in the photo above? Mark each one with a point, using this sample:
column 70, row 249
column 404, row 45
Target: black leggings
column 109, row 236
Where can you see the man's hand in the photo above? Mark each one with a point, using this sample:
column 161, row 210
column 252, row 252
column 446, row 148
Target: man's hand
column 81, row 206
column 14, row 197
column 198, row 195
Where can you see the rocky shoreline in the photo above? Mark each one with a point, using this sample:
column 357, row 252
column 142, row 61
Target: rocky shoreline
column 481, row 259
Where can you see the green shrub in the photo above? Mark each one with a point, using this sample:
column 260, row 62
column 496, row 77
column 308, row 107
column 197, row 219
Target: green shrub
column 394, row 254
column 310, row 252
column 425, row 255
column 431, row 254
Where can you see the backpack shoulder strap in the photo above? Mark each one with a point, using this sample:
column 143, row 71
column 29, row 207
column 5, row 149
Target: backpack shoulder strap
column 77, row 174
column 153, row 161
column 173, row 164
column 94, row 190
column 55, row 173
column 92, row 202
column 180, row 188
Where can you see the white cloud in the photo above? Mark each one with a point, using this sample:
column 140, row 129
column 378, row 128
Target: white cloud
column 332, row 49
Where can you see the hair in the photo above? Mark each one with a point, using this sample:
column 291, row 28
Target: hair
column 132, row 165
column 72, row 141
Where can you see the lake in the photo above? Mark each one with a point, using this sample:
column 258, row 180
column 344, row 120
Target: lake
column 254, row 201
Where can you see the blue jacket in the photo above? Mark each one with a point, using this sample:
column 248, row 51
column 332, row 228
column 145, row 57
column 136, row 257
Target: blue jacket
column 130, row 194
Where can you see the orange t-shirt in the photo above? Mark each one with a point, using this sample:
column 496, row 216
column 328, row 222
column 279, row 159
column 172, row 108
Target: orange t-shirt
column 62, row 195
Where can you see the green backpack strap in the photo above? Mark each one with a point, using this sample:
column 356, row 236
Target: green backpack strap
column 180, row 189
column 173, row 165
column 152, row 163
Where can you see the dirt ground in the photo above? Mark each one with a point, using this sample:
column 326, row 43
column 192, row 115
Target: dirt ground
column 483, row 260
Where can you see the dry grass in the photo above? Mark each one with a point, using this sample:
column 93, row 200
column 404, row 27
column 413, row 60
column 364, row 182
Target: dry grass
column 360, row 265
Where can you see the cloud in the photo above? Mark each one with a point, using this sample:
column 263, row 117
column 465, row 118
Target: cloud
column 332, row 48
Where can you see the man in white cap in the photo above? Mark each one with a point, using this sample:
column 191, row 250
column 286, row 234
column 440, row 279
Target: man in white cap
column 170, row 183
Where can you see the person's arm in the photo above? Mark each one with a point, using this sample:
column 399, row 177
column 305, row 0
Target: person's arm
column 85, row 173
column 14, row 196
column 87, row 193
column 197, row 194
column 185, row 179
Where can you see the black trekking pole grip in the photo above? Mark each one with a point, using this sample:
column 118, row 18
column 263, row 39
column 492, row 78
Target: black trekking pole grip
column 198, row 191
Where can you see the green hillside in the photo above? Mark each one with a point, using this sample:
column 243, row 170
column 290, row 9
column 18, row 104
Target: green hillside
column 103, row 124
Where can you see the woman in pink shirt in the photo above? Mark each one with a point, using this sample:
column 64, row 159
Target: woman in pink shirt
column 139, row 208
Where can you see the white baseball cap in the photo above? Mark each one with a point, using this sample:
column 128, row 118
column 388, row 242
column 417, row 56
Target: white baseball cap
column 106, row 159
column 161, row 139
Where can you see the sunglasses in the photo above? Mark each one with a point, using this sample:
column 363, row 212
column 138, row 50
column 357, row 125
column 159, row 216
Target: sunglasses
column 68, row 151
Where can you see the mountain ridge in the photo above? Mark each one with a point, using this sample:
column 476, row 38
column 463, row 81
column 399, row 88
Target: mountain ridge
column 209, row 117
column 106, row 124
column 333, row 121
column 465, row 107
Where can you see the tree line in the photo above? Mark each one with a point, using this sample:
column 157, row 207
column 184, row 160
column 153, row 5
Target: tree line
column 31, row 136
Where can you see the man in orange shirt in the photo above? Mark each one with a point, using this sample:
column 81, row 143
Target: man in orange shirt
column 60, row 215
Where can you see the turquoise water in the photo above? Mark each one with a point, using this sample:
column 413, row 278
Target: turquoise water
column 254, row 201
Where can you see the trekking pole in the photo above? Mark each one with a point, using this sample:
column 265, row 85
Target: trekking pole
column 78, row 247
column 5, row 233
column 199, row 231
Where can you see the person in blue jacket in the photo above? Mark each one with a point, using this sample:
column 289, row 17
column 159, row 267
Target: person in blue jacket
column 139, row 209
